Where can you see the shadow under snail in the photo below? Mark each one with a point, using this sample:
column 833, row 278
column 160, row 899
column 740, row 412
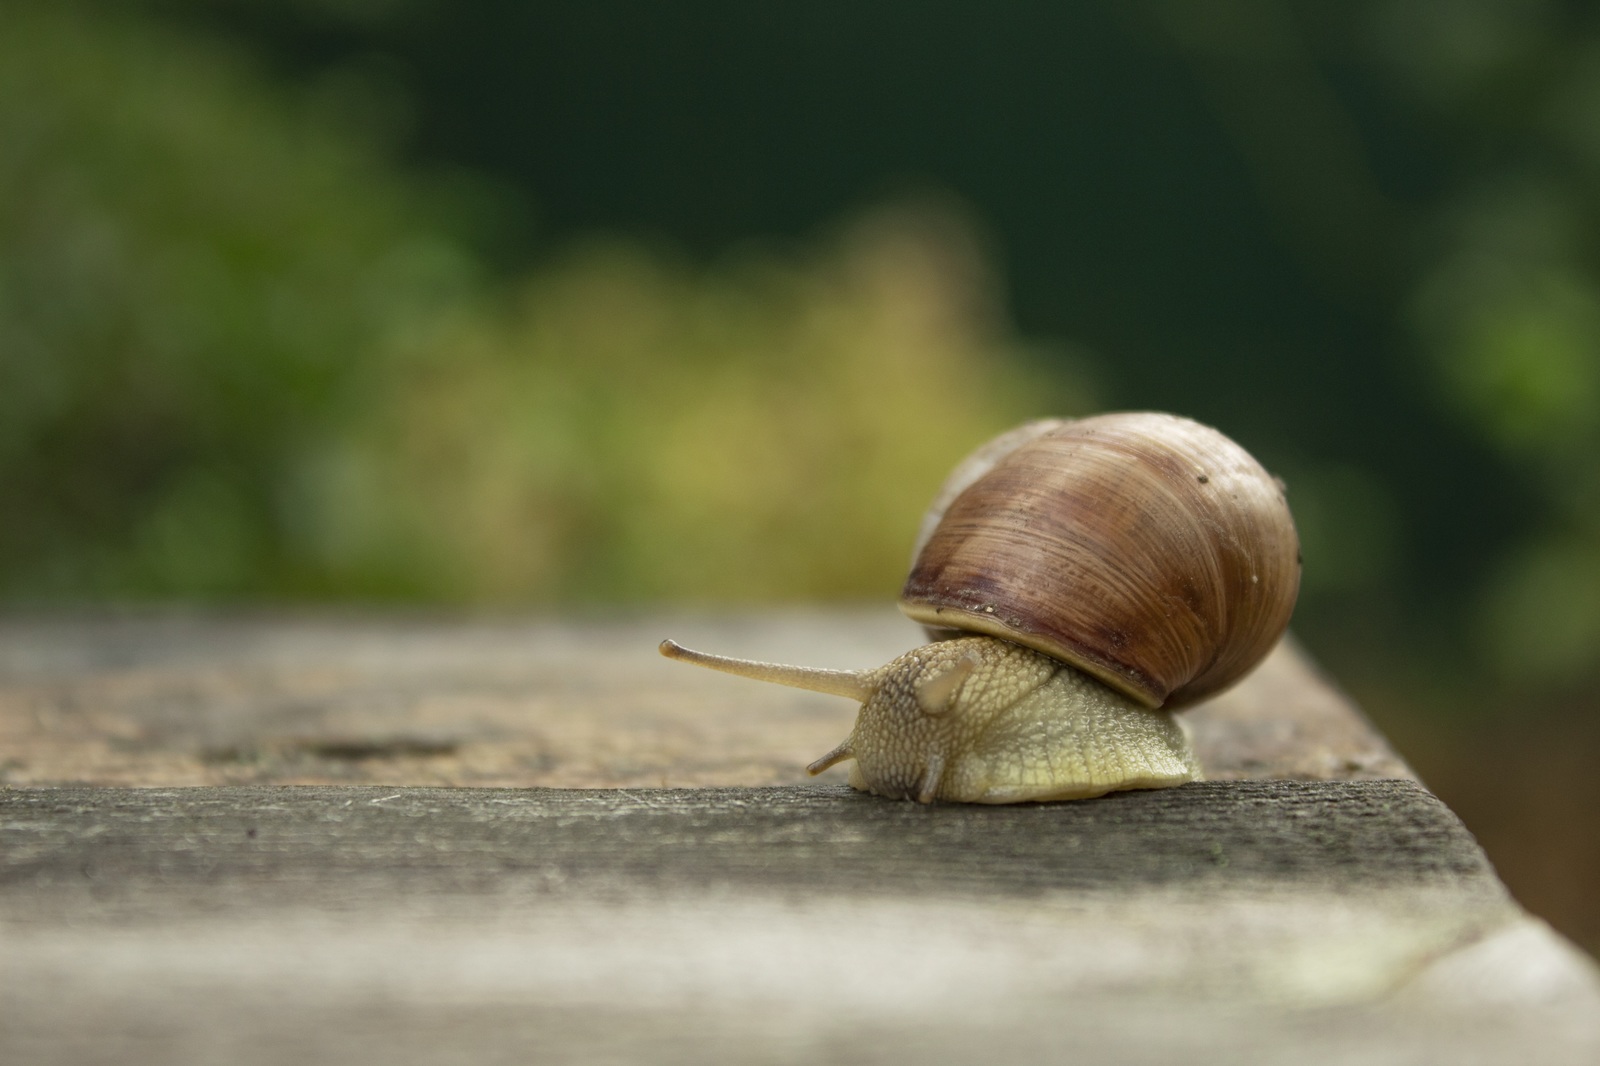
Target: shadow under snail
column 1081, row 580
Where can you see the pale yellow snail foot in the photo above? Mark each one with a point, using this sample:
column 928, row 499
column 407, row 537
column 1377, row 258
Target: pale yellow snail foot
column 1148, row 755
column 1134, row 749
column 1014, row 727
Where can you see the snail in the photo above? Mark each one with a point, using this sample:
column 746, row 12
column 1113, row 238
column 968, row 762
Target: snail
column 1081, row 580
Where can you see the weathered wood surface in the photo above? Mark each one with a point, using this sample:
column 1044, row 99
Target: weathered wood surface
column 210, row 699
column 1312, row 903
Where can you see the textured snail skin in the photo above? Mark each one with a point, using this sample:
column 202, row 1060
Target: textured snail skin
column 1021, row 727
column 1147, row 550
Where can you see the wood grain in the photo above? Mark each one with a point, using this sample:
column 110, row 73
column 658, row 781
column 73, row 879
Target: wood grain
column 240, row 846
column 225, row 838
column 182, row 699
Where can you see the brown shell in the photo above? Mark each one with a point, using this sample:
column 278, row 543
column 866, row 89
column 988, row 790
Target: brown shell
column 1145, row 549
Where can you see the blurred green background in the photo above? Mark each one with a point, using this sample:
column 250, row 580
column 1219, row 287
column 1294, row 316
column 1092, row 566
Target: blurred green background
column 610, row 302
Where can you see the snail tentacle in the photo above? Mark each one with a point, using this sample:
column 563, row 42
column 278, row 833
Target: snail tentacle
column 851, row 684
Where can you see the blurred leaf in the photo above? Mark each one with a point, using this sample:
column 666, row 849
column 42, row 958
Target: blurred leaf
column 237, row 358
column 1542, row 613
column 193, row 274
column 1509, row 308
column 631, row 428
column 1468, row 54
column 1519, row 351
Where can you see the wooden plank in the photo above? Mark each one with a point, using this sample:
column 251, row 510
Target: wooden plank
column 313, row 896
column 1342, row 920
column 72, row 846
column 176, row 699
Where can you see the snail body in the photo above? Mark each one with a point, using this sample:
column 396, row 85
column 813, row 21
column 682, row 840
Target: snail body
column 1081, row 580
column 982, row 720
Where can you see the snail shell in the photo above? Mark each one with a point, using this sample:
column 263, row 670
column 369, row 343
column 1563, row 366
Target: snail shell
column 1128, row 564
column 1147, row 550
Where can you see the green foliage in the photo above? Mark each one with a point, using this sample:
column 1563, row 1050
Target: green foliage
column 241, row 353
column 1486, row 269
column 1509, row 309
column 627, row 428
column 238, row 359
column 193, row 277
